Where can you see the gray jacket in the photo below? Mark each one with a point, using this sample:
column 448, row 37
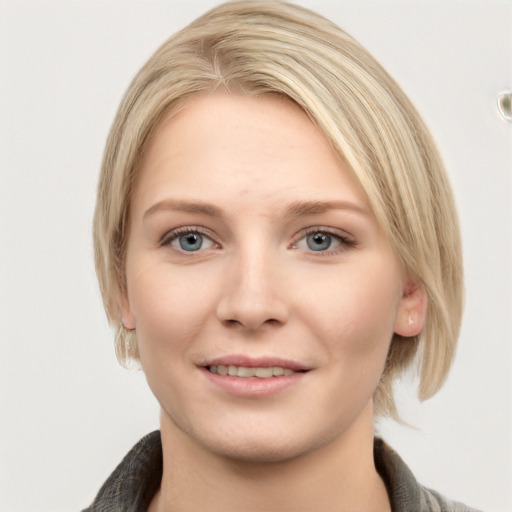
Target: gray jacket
column 135, row 481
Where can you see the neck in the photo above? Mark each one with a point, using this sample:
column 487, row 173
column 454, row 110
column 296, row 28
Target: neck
column 340, row 474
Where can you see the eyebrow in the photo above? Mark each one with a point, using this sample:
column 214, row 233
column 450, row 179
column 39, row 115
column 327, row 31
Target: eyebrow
column 304, row 208
column 294, row 210
column 184, row 206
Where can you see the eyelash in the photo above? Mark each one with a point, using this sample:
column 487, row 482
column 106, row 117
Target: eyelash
column 174, row 234
column 345, row 241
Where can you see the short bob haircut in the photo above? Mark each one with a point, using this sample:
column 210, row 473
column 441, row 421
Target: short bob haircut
column 271, row 47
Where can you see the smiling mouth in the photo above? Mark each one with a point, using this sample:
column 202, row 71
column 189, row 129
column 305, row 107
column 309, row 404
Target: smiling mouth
column 248, row 372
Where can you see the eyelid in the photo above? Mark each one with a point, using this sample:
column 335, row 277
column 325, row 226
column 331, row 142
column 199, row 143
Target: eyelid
column 174, row 233
column 346, row 239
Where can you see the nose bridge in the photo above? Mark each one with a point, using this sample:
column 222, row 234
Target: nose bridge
column 253, row 295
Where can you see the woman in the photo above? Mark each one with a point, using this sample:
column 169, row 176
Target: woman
column 276, row 241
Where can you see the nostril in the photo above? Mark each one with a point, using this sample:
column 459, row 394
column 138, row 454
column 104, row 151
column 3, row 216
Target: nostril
column 250, row 308
column 231, row 322
column 250, row 325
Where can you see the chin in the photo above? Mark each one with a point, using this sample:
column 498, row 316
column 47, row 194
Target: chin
column 262, row 444
column 260, row 451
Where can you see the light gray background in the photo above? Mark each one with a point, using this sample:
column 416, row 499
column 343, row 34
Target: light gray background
column 68, row 413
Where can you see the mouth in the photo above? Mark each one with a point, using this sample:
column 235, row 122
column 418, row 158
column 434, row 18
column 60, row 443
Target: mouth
column 250, row 377
column 246, row 372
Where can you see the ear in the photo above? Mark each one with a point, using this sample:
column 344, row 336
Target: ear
column 412, row 311
column 127, row 317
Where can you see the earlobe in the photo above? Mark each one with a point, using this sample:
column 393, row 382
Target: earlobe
column 412, row 311
column 127, row 318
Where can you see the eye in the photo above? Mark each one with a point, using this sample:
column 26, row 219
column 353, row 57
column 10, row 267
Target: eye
column 188, row 240
column 323, row 240
column 319, row 241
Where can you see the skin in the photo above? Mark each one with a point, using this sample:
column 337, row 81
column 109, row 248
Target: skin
column 259, row 288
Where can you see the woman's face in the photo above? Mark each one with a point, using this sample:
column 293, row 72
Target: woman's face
column 252, row 251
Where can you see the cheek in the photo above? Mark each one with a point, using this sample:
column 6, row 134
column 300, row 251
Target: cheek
column 356, row 311
column 168, row 307
column 170, row 310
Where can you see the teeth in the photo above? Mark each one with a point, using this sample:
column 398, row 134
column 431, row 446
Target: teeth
column 264, row 373
column 245, row 372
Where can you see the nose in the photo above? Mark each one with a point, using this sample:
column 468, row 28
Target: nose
column 253, row 294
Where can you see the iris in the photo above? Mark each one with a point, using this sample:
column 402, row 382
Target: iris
column 191, row 242
column 319, row 241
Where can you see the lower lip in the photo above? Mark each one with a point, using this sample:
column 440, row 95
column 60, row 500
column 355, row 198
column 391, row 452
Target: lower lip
column 250, row 387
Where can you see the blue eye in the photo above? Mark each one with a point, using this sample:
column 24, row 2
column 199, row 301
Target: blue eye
column 323, row 240
column 188, row 240
column 319, row 241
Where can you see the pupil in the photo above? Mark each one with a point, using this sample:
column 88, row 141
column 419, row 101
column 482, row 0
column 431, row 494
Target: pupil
column 319, row 242
column 191, row 242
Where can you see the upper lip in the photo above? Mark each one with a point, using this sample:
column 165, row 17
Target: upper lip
column 256, row 362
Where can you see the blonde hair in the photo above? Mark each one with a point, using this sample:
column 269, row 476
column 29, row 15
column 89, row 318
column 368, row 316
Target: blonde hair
column 261, row 47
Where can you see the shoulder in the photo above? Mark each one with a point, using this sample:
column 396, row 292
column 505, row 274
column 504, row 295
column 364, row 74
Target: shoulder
column 135, row 480
column 437, row 502
column 405, row 493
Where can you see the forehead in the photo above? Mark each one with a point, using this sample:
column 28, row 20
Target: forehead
column 224, row 147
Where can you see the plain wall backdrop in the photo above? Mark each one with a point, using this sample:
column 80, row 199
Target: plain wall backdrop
column 68, row 412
